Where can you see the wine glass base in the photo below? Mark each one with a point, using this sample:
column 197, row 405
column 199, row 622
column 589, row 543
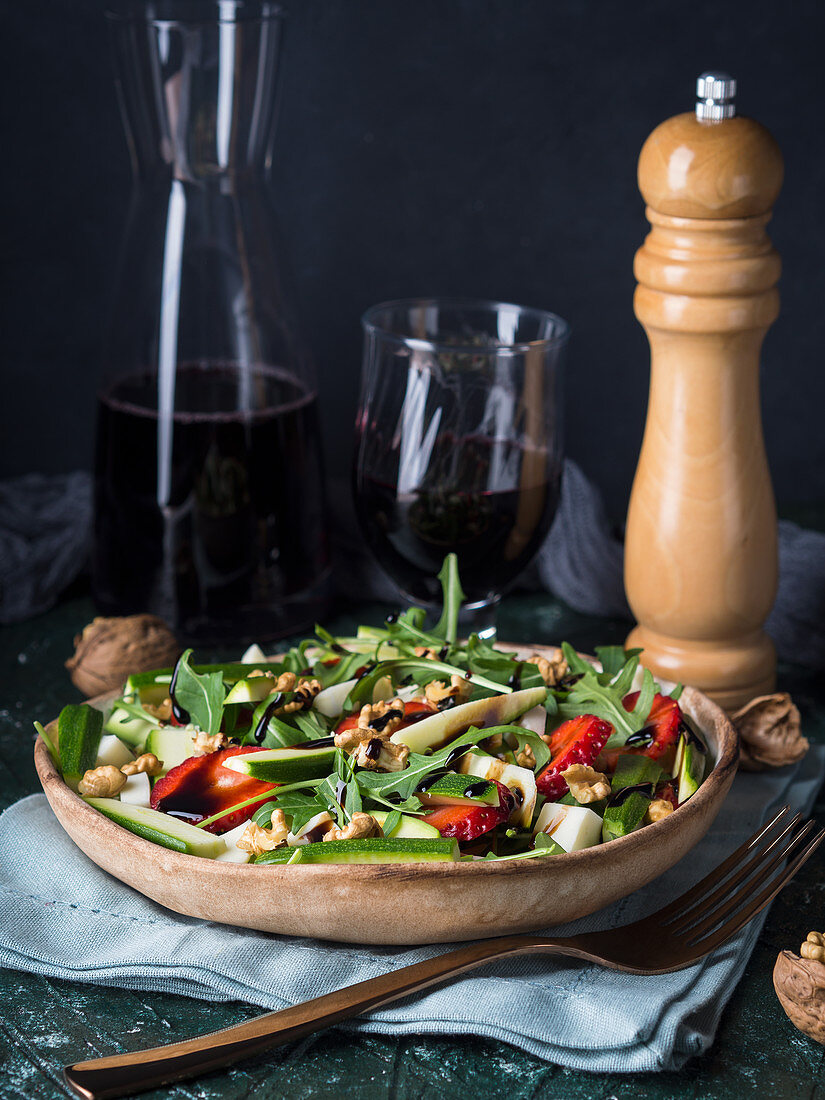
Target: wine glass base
column 473, row 618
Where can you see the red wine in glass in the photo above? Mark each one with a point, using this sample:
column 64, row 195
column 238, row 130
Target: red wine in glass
column 459, row 443
column 495, row 531
column 213, row 520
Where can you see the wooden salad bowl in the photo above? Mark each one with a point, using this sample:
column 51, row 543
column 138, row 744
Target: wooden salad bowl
column 409, row 903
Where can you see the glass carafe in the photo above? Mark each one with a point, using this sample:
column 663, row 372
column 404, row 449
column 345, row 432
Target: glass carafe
column 209, row 506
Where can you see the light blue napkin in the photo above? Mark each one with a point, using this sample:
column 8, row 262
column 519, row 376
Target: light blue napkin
column 63, row 917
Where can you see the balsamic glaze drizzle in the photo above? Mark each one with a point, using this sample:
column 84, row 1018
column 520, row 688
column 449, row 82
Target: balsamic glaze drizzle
column 691, row 736
column 315, row 743
column 428, row 780
column 621, row 796
column 442, row 653
column 365, row 670
column 456, row 754
column 643, row 736
column 475, row 790
column 182, row 716
column 515, row 680
column 570, row 679
column 340, row 787
column 381, row 721
column 392, row 617
column 373, row 749
column 259, row 735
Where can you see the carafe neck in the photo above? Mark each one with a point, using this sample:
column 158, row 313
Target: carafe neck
column 197, row 87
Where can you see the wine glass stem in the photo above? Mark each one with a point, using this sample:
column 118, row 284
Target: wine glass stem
column 479, row 618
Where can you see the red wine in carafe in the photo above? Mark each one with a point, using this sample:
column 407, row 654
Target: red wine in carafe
column 211, row 515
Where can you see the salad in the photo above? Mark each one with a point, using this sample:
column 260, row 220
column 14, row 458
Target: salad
column 397, row 745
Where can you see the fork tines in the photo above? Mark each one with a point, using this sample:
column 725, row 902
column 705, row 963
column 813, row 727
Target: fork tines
column 729, row 897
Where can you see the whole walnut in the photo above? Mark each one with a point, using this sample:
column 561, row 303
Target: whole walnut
column 109, row 650
column 770, row 734
column 800, row 987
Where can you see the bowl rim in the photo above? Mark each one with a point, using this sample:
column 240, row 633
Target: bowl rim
column 123, row 841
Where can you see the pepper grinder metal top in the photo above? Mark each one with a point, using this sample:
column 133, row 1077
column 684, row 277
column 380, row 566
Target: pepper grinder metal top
column 701, row 545
column 715, row 92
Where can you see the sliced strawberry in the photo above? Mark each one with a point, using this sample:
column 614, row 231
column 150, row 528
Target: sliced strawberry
column 468, row 822
column 200, row 787
column 413, row 712
column 576, row 741
column 659, row 733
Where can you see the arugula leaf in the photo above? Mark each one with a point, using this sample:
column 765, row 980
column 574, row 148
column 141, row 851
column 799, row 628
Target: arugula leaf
column 523, row 738
column 352, row 798
column 310, row 723
column 344, row 670
column 423, row 670
column 635, row 768
column 499, row 665
column 447, row 625
column 601, row 693
column 544, row 846
column 414, row 617
column 575, row 664
column 411, row 805
column 328, row 789
column 201, row 694
column 622, row 683
column 391, row 821
column 263, row 814
column 256, row 798
column 50, row 745
column 545, row 843
column 135, row 710
column 613, row 658
column 405, row 782
column 676, row 694
column 645, row 700
column 279, row 734
column 297, row 805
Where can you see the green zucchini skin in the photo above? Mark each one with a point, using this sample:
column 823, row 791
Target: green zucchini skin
column 373, row 850
column 79, row 729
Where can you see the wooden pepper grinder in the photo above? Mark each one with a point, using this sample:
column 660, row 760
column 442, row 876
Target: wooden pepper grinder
column 701, row 546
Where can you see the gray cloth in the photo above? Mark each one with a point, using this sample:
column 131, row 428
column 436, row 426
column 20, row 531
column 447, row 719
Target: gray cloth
column 63, row 917
column 45, row 525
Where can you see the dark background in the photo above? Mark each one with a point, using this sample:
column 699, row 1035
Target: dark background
column 479, row 147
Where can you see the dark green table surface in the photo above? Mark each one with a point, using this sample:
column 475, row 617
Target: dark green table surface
column 45, row 1024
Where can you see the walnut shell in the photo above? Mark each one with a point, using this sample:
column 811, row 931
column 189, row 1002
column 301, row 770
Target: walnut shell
column 769, row 732
column 109, row 650
column 800, row 987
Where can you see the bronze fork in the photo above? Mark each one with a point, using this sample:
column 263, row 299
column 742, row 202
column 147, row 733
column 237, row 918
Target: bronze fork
column 674, row 937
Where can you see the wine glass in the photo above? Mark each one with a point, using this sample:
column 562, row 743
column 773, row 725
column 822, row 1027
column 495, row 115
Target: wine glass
column 459, row 443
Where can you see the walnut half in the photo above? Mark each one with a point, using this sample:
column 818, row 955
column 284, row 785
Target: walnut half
column 103, row 782
column 360, row 827
column 257, row 840
column 147, row 762
column 800, row 987
column 586, row 784
column 553, row 668
column 769, row 733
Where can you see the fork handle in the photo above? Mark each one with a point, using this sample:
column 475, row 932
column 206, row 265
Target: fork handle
column 125, row 1074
